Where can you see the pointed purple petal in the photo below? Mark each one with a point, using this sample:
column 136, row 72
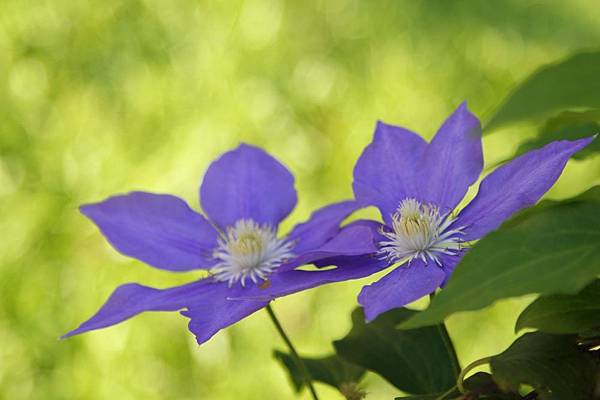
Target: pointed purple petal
column 385, row 172
column 322, row 225
column 403, row 285
column 516, row 185
column 158, row 229
column 452, row 161
column 247, row 183
column 357, row 238
column 131, row 299
column 348, row 268
column 209, row 317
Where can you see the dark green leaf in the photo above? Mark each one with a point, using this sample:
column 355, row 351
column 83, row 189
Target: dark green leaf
column 570, row 84
column 551, row 248
column 415, row 361
column 552, row 364
column 568, row 126
column 480, row 384
column 563, row 313
column 331, row 370
column 590, row 333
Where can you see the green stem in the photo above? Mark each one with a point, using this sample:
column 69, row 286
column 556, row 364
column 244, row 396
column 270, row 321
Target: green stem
column 449, row 348
column 446, row 394
column 294, row 353
column 465, row 371
column 447, row 342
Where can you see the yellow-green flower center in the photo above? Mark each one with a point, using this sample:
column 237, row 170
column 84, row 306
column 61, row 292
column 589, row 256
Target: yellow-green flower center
column 420, row 231
column 249, row 251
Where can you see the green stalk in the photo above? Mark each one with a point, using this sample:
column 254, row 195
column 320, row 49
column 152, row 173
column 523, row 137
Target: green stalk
column 447, row 342
column 464, row 372
column 446, row 394
column 293, row 352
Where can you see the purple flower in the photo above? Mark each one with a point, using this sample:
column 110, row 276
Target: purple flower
column 417, row 187
column 245, row 194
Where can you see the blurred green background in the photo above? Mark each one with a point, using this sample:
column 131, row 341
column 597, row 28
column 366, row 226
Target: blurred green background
column 102, row 97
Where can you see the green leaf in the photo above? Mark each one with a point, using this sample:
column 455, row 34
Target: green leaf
column 415, row 361
column 551, row 364
column 547, row 249
column 332, row 370
column 562, row 313
column 569, row 84
column 568, row 125
column 479, row 386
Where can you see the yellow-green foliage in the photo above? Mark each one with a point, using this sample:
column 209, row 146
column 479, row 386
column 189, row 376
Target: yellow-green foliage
column 106, row 96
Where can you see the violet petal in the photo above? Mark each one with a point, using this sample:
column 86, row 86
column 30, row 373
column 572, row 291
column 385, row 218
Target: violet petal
column 158, row 229
column 209, row 317
column 401, row 286
column 322, row 225
column 247, row 183
column 452, row 161
column 131, row 299
column 385, row 172
column 518, row 184
column 357, row 238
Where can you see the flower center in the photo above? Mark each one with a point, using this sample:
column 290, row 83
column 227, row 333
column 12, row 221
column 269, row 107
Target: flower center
column 249, row 250
column 420, row 231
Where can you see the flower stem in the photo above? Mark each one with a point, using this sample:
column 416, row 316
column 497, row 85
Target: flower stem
column 465, row 371
column 294, row 353
column 449, row 348
column 446, row 394
column 447, row 342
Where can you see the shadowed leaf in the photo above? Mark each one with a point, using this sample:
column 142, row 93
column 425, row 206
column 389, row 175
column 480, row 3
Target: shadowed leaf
column 569, row 84
column 567, row 126
column 563, row 313
column 479, row 386
column 331, row 370
column 552, row 364
column 415, row 361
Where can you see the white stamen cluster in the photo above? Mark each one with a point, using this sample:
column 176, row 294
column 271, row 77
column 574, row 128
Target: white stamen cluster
column 249, row 251
column 420, row 231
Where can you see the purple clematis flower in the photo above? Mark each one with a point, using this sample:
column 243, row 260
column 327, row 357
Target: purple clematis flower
column 417, row 187
column 245, row 194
